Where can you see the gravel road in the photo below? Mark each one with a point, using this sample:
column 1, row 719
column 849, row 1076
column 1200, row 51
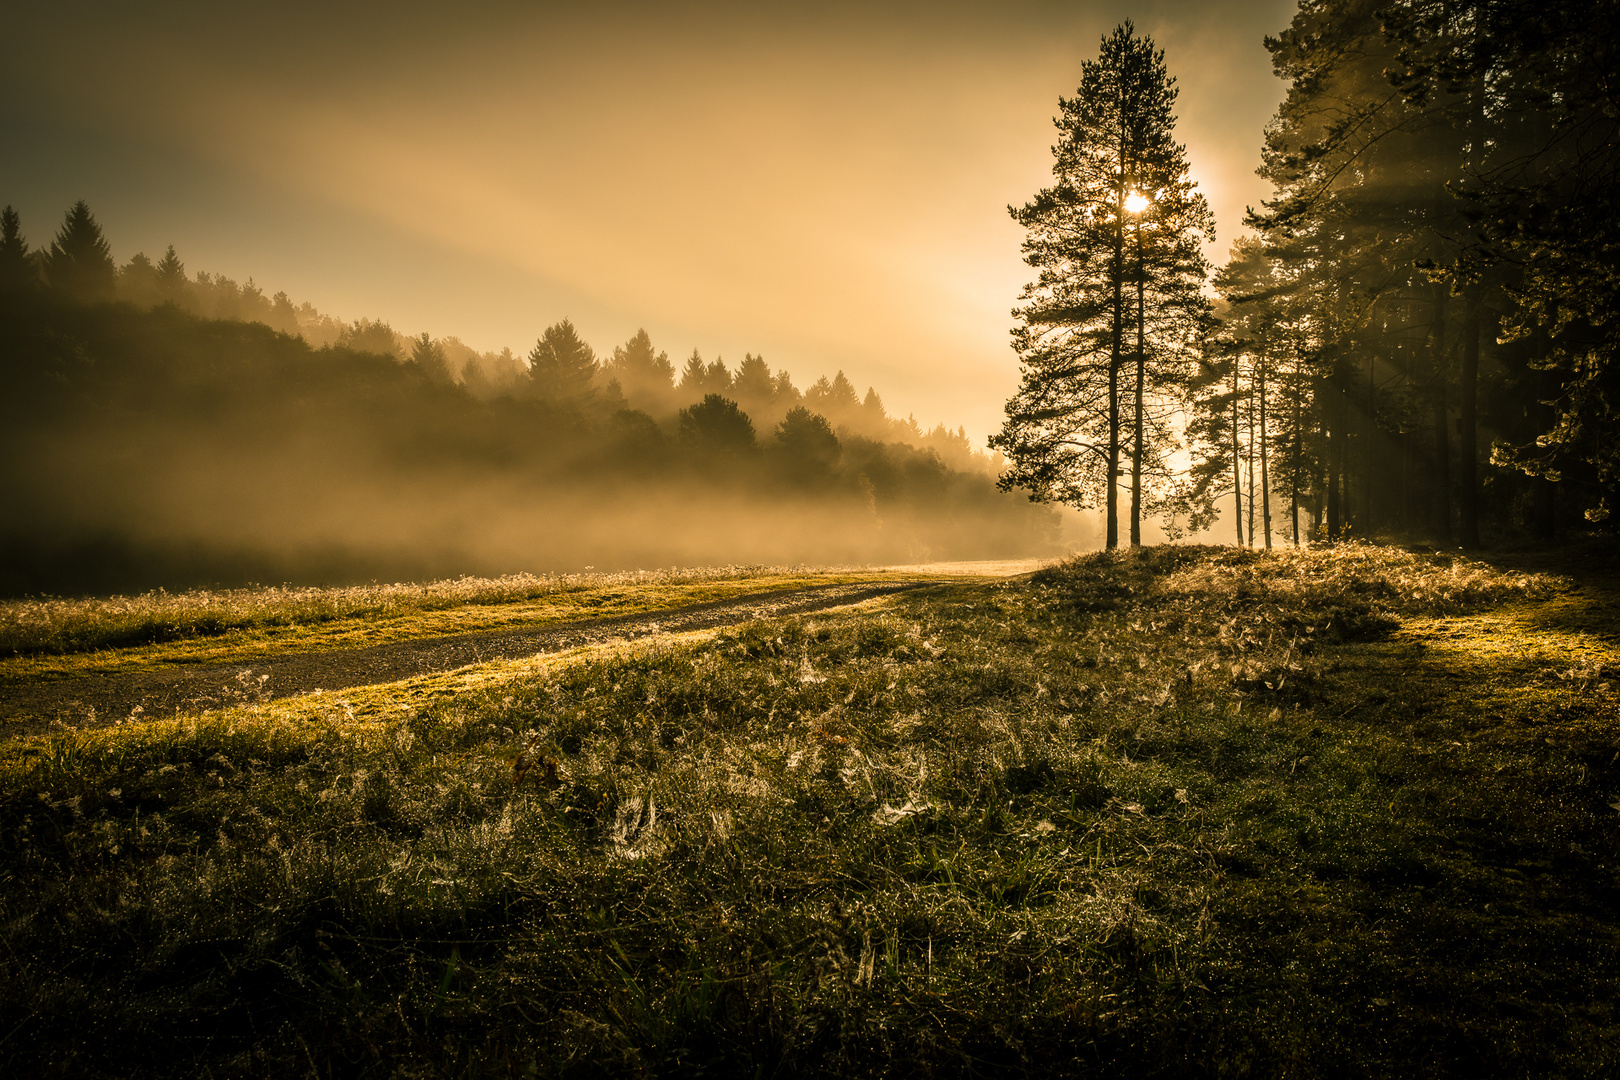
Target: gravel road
column 30, row 708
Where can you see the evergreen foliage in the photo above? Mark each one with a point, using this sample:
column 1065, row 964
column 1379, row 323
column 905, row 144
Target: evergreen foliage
column 645, row 376
column 1444, row 222
column 561, row 366
column 428, row 355
column 715, row 427
column 79, row 264
column 171, row 277
column 1105, row 329
column 17, row 269
column 363, row 335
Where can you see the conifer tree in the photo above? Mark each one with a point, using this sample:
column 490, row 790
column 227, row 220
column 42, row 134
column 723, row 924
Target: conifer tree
column 171, row 277
column 1105, row 329
column 80, row 264
column 428, row 355
column 1529, row 85
column 561, row 366
column 644, row 374
column 16, row 268
column 716, row 428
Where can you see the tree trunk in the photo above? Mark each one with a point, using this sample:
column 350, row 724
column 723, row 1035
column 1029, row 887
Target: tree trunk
column 1114, row 360
column 1467, row 390
column 1249, row 427
column 1141, row 372
column 1335, row 417
column 1442, row 421
column 1468, row 427
column 1369, row 428
column 1265, row 472
column 1237, row 453
column 1293, row 484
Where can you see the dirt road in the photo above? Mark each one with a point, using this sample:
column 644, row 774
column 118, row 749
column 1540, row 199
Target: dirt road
column 30, row 708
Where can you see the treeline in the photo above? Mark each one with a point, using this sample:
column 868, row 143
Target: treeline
column 165, row 429
column 78, row 265
column 1420, row 341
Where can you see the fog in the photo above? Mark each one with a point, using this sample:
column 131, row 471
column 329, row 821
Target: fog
column 151, row 448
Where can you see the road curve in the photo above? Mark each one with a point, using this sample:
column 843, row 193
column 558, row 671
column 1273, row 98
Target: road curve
column 29, row 708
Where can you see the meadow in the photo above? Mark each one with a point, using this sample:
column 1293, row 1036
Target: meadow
column 1180, row 811
column 46, row 637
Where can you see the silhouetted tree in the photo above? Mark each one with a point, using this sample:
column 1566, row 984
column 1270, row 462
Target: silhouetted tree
column 561, row 366
column 699, row 379
column 805, row 446
column 80, row 263
column 137, row 281
column 835, row 399
column 17, row 270
column 1529, row 87
column 753, row 385
column 646, row 376
column 364, row 335
column 283, row 316
column 1118, row 170
column 171, row 278
column 716, row 427
column 428, row 355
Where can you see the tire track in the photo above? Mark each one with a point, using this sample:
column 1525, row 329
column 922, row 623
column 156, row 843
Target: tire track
column 29, row 708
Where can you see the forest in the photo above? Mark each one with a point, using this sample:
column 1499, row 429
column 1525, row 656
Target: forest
column 1416, row 341
column 166, row 429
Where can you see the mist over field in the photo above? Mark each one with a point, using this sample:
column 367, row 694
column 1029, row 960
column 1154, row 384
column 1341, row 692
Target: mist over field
column 155, row 447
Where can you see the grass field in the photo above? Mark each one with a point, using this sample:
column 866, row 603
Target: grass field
column 1187, row 812
column 50, row 638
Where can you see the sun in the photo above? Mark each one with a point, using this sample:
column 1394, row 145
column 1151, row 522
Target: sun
column 1136, row 202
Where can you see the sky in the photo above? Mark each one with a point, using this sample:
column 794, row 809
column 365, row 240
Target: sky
column 824, row 185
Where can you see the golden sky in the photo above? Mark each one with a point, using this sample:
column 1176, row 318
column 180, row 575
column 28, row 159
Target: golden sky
column 823, row 184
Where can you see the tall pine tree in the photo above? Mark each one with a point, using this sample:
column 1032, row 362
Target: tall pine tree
column 1104, row 330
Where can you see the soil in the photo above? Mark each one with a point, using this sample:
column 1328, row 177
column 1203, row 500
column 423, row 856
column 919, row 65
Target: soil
column 29, row 709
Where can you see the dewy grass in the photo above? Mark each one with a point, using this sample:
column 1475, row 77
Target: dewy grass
column 65, row 639
column 1184, row 812
column 69, row 626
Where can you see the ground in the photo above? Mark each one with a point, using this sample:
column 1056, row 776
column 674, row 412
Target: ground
column 1185, row 811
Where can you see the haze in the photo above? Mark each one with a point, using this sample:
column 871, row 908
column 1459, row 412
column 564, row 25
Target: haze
column 826, row 187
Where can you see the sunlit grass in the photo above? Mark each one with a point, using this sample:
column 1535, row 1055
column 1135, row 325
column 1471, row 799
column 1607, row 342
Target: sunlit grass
column 1187, row 812
column 62, row 638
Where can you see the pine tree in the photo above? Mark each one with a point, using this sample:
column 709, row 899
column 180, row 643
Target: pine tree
column 805, row 446
column 17, row 270
column 79, row 264
column 644, row 374
column 1529, row 85
column 428, row 355
column 364, row 335
column 561, row 366
column 1107, row 326
column 137, row 281
column 1367, row 215
column 171, row 277
column 716, row 428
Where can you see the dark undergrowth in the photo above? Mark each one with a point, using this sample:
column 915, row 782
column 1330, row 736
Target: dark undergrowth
column 1186, row 812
